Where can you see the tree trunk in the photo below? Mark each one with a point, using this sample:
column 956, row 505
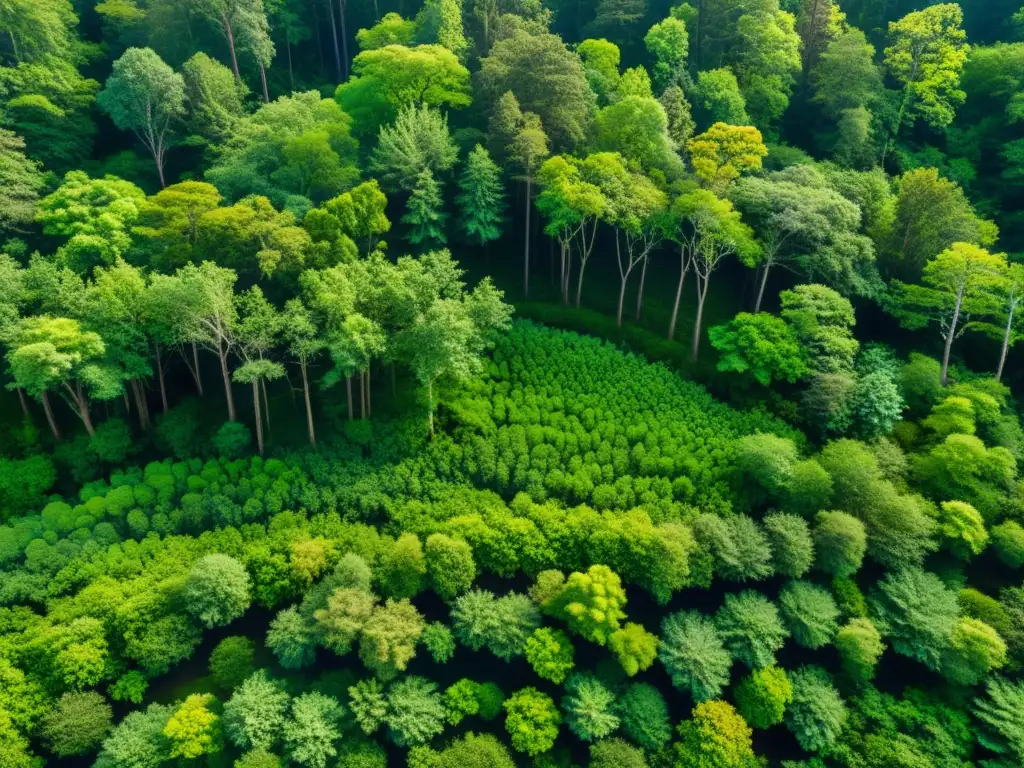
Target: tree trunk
column 83, row 408
column 526, row 252
column 231, row 45
column 640, row 293
column 624, row 277
column 232, row 416
column 160, row 170
column 140, row 404
column 309, row 406
column 24, row 402
column 1002, row 354
column 369, row 393
column 430, row 407
column 951, row 335
column 259, row 417
column 266, row 409
column 702, row 293
column 348, row 394
column 48, row 410
column 291, row 74
column 362, row 395
column 334, row 35
column 579, row 282
column 683, row 269
column 160, row 378
column 344, row 36
column 194, row 368
column 263, row 81
column 760, row 290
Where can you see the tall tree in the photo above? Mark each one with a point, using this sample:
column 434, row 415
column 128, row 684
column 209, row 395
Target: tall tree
column 257, row 330
column 927, row 52
column 300, row 331
column 21, row 181
column 481, row 198
column 954, row 283
column 424, row 214
column 146, row 97
column 724, row 152
column 669, row 44
column 1005, row 323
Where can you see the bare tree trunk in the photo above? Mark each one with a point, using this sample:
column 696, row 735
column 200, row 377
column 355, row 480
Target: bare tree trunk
column 160, row 378
column 83, row 408
column 430, row 407
column 193, row 368
column 263, row 81
column 369, row 393
column 344, row 36
column 232, row 415
column 348, row 394
column 362, row 394
column 526, row 254
column 23, row 401
column 231, row 44
column 334, row 35
column 160, row 170
column 640, row 292
column 951, row 335
column 291, row 74
column 140, row 404
column 579, row 282
column 266, row 403
column 1002, row 354
column 683, row 269
column 48, row 410
column 259, row 417
column 309, row 406
column 702, row 294
column 760, row 290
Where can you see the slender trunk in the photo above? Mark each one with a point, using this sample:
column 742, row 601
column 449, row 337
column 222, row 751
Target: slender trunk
column 526, row 252
column 259, row 417
column 309, row 406
column 232, row 416
column 231, row 45
column 1002, row 354
column 160, row 170
column 760, row 290
column 319, row 36
column 640, row 293
column 579, row 282
column 83, row 408
column 334, row 36
column 376, row 10
column 48, row 410
column 266, row 409
column 951, row 335
column 263, row 81
column 194, row 368
column 622, row 299
column 348, row 395
column 362, row 394
column 140, row 404
column 369, row 393
column 160, row 378
column 344, row 36
column 291, row 74
column 702, row 293
column 24, row 402
column 683, row 269
column 14, row 45
column 430, row 407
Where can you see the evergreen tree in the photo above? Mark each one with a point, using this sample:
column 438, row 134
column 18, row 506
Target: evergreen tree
column 481, row 198
column 424, row 213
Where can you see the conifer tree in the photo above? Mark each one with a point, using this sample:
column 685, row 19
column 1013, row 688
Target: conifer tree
column 481, row 198
column 424, row 213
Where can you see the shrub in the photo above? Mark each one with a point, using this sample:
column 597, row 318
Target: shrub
column 231, row 440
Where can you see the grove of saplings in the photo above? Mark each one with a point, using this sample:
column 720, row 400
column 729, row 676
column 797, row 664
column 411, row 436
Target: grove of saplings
column 285, row 482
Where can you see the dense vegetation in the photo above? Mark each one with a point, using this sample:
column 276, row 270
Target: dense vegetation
column 285, row 482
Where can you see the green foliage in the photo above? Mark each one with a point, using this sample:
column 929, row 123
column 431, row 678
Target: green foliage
column 415, row 711
column 1002, row 716
column 424, row 214
column 793, row 549
column 217, row 590
column 194, row 730
column 77, row 723
column 616, row 753
column 762, row 696
column 309, row 734
column 643, row 715
column 232, row 661
column 1008, row 542
column 481, row 198
column 817, row 713
column 918, row 612
column 715, row 737
column 368, row 705
column 502, row 625
column 532, row 721
column 635, row 647
column 750, row 626
column 810, row 613
column 694, row 654
column 762, row 345
column 255, row 714
column 550, row 653
column 860, row 646
column 138, row 741
column 590, row 603
column 588, row 707
column 439, row 642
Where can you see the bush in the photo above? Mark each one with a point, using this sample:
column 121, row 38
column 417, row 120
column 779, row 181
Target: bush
column 231, row 440
column 113, row 441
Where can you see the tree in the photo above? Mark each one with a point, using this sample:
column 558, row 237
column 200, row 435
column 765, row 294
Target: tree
column 919, row 612
column 368, row 705
column 77, row 723
column 502, row 625
column 392, row 29
column 255, row 714
column 231, row 661
column 792, row 546
column 616, row 753
column 643, row 715
column 293, row 640
column 762, row 696
column 532, row 721
column 546, row 79
column 415, row 711
column 694, row 655
column 817, row 713
column 424, row 214
column 389, row 636
column 1001, row 712
column 954, row 282
column 313, row 728
column 440, row 21
column 637, row 128
column 193, row 729
column 244, row 25
column 394, row 78
column 587, row 706
column 976, row 649
column 21, row 181
column 708, row 228
column 724, row 152
column 481, row 198
column 304, row 343
column 840, row 542
column 167, row 227
column 138, row 740
column 635, row 647
column 402, row 569
column 601, row 63
column 217, row 590
column 715, row 737
column 860, row 646
column 823, row 321
column 927, row 54
column 145, row 96
column 810, row 613
column 717, row 98
column 417, row 141
column 750, row 626
column 590, row 603
column 213, row 100
column 1008, row 297
column 668, row 43
column 762, row 345
column 450, row 565
column 550, row 653
column 766, row 60
column 55, row 353
column 818, row 23
column 1008, row 542
column 338, row 624
column 963, row 526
